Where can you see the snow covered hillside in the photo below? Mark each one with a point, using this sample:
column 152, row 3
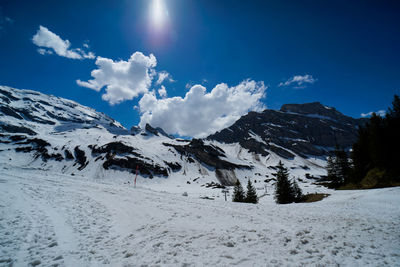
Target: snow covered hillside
column 63, row 136
column 53, row 219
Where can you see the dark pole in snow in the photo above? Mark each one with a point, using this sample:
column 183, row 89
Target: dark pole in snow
column 137, row 169
column 225, row 191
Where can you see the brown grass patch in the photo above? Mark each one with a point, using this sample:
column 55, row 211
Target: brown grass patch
column 314, row 197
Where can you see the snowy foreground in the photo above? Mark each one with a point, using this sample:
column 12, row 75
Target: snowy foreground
column 48, row 219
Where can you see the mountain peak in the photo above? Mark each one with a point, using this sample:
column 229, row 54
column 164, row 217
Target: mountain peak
column 311, row 108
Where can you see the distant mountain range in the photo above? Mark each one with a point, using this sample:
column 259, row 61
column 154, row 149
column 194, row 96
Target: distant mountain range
column 48, row 132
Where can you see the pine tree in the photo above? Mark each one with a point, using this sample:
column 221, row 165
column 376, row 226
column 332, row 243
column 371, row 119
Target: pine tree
column 338, row 168
column 298, row 194
column 251, row 195
column 343, row 166
column 238, row 193
column 331, row 168
column 394, row 112
column 283, row 190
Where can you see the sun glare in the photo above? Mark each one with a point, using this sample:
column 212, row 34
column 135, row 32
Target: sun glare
column 158, row 14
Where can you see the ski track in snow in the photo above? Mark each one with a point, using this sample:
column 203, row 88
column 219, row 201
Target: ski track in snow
column 60, row 220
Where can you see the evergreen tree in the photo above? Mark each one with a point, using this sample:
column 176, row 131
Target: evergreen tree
column 251, row 195
column 392, row 140
column 297, row 193
column 395, row 111
column 283, row 189
column 360, row 156
column 338, row 168
column 331, row 168
column 377, row 147
column 238, row 193
column 343, row 165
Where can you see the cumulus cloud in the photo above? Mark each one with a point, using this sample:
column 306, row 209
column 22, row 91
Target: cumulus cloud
column 49, row 42
column 124, row 80
column 162, row 76
column 162, row 91
column 381, row 113
column 299, row 81
column 200, row 113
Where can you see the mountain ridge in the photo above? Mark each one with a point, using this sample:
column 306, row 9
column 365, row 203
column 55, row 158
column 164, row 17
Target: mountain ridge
column 49, row 132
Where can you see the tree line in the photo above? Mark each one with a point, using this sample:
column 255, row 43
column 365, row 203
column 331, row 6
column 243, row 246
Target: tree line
column 374, row 160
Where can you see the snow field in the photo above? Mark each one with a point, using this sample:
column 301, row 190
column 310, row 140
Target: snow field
column 52, row 219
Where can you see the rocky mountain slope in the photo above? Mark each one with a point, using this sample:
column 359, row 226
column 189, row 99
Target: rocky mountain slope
column 50, row 133
column 307, row 130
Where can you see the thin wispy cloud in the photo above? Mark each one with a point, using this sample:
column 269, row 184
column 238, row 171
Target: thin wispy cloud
column 123, row 80
column 4, row 21
column 299, row 81
column 164, row 76
column 200, row 113
column 49, row 43
column 381, row 113
column 162, row 91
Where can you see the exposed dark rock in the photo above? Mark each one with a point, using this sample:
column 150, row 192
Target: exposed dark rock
column 68, row 154
column 5, row 99
column 39, row 146
column 8, row 95
column 25, row 149
column 10, row 112
column 129, row 163
column 156, row 131
column 214, row 185
column 150, row 129
column 16, row 129
column 80, row 158
column 175, row 166
column 207, row 154
column 37, row 143
column 113, row 148
column 16, row 138
column 28, row 116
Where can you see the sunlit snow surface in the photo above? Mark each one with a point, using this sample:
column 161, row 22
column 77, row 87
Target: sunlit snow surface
column 49, row 218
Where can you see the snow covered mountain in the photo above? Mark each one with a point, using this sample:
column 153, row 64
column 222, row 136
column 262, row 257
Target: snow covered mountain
column 51, row 133
column 310, row 129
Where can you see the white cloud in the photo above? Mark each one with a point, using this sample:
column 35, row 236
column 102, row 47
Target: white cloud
column 381, row 113
column 124, row 80
column 162, row 91
column 299, row 81
column 162, row 76
column 49, row 42
column 200, row 113
column 44, row 51
column 188, row 85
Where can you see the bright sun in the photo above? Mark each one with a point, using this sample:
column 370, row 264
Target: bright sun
column 158, row 14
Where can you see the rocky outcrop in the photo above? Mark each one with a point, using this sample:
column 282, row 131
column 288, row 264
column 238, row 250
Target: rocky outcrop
column 121, row 156
column 80, row 158
column 206, row 154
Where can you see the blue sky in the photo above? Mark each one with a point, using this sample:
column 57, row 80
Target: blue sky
column 342, row 53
